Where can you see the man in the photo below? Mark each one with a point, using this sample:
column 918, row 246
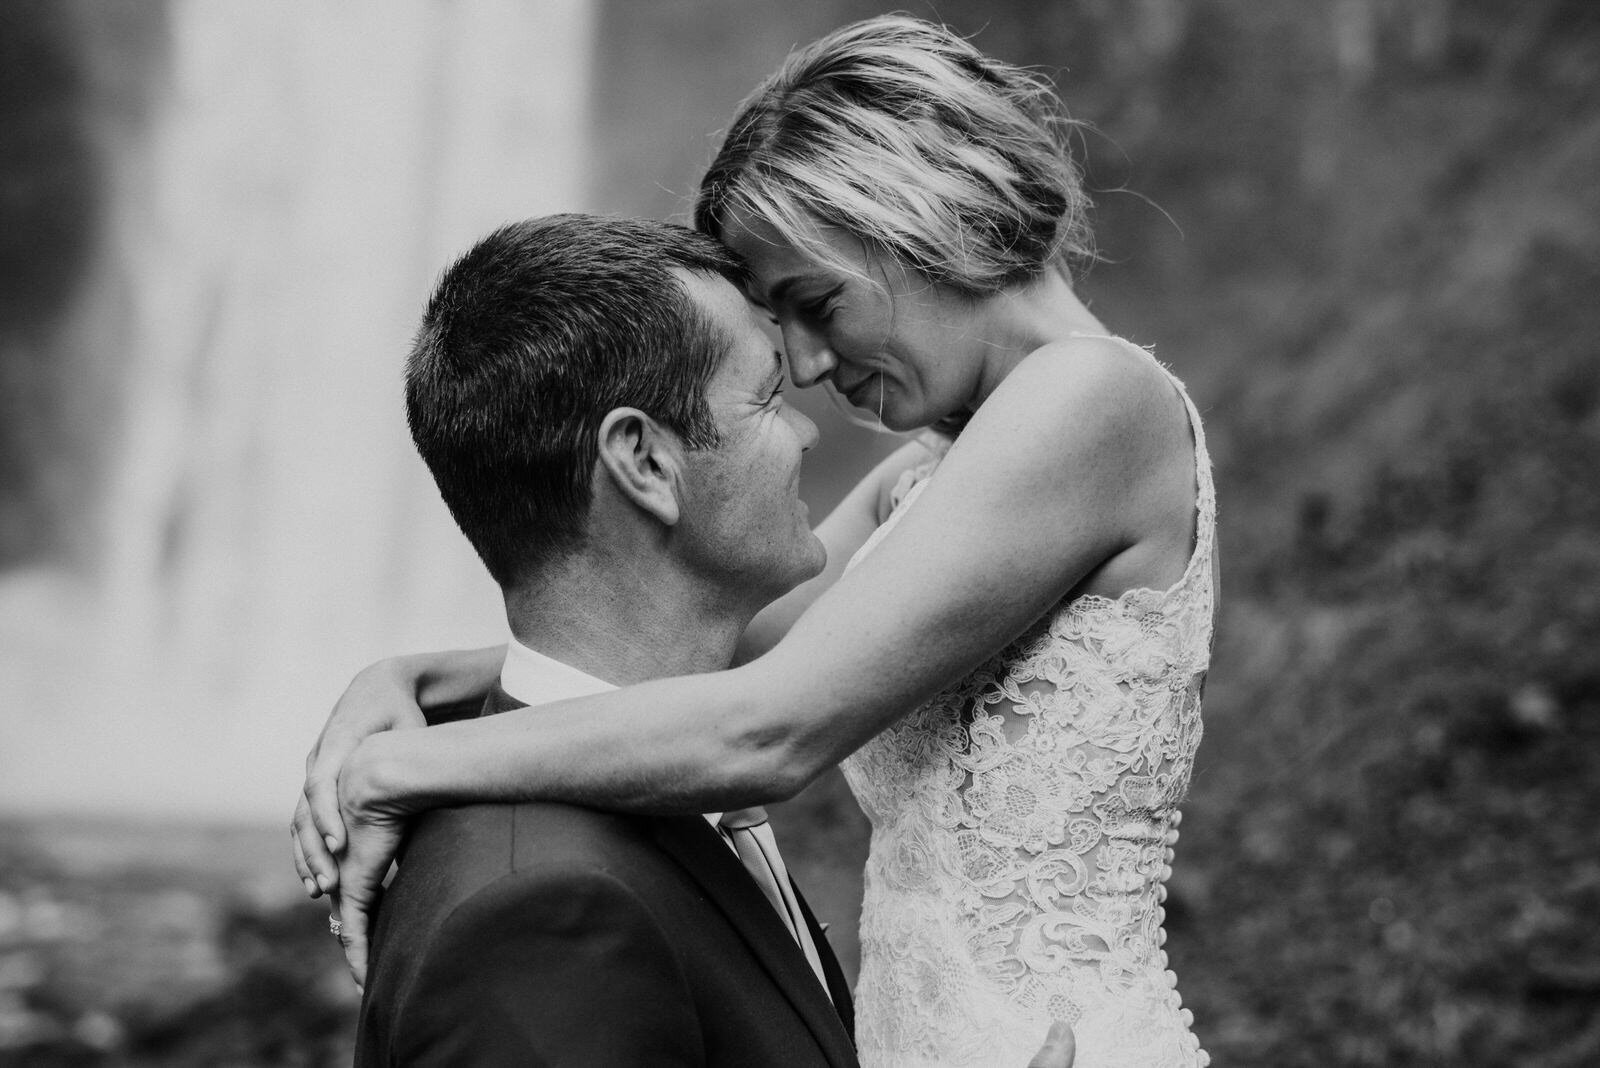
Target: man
column 601, row 413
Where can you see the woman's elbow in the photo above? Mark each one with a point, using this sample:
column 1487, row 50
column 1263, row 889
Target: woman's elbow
column 770, row 762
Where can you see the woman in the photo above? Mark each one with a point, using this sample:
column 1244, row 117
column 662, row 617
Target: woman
column 1009, row 668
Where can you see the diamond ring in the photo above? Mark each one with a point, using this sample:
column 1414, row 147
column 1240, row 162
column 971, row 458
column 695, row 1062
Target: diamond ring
column 335, row 925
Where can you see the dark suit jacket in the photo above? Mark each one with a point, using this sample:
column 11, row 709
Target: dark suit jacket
column 544, row 934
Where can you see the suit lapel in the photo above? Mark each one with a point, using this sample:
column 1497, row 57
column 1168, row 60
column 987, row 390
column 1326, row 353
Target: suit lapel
column 837, row 985
column 693, row 844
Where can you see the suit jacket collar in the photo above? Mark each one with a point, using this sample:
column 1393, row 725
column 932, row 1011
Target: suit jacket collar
column 838, row 985
column 695, row 846
column 691, row 842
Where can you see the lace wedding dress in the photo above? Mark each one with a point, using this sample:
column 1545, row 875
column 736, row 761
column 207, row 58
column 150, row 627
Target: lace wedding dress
column 1020, row 827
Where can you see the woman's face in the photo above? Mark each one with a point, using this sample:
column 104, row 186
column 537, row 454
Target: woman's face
column 903, row 350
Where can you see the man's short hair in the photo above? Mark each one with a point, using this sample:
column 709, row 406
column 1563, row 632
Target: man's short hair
column 529, row 340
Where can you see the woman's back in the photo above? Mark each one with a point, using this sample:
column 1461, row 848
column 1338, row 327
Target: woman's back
column 1021, row 821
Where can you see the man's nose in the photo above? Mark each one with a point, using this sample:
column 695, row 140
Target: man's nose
column 804, row 427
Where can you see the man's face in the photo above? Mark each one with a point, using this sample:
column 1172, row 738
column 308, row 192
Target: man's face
column 742, row 520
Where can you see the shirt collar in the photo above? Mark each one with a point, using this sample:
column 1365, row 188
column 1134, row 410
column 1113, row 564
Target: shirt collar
column 536, row 679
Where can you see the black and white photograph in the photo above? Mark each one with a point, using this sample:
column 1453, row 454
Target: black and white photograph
column 959, row 534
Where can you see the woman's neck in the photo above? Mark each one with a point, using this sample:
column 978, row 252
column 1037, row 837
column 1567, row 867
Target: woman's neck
column 1020, row 320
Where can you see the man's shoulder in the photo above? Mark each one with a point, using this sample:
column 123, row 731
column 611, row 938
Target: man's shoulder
column 459, row 861
column 504, row 895
column 472, row 845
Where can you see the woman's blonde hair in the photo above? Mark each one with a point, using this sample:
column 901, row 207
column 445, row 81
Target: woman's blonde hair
column 901, row 133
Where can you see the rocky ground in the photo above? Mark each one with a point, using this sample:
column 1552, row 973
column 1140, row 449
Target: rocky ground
column 135, row 944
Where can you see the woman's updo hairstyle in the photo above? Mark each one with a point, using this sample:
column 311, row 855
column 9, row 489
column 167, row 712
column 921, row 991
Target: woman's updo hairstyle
column 904, row 135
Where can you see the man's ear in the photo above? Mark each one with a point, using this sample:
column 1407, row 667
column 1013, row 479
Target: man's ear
column 643, row 459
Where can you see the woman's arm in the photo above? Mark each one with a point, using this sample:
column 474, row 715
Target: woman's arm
column 1071, row 465
column 843, row 533
column 440, row 681
column 1072, row 462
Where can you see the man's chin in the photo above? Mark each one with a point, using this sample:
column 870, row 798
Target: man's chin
column 807, row 565
column 819, row 554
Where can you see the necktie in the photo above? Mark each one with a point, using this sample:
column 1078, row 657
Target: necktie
column 747, row 830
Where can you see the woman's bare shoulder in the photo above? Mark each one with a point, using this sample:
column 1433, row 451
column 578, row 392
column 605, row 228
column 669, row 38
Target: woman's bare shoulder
column 1098, row 370
column 1083, row 401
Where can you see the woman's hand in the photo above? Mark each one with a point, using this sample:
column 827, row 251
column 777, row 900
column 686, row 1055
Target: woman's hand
column 393, row 694
column 1060, row 1048
column 382, row 697
column 374, row 823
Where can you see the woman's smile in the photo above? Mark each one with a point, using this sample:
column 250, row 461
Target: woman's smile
column 856, row 391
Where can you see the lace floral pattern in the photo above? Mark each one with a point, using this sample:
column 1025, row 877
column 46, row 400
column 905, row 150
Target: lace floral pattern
column 1020, row 825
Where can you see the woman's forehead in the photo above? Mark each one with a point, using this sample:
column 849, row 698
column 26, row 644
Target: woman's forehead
column 755, row 237
column 776, row 257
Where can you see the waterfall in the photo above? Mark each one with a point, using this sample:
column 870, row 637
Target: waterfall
column 265, row 527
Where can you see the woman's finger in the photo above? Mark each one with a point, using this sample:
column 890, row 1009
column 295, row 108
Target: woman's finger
column 357, row 900
column 321, row 867
column 354, row 937
column 300, row 866
column 322, row 799
column 1059, row 1050
column 339, row 926
column 360, row 885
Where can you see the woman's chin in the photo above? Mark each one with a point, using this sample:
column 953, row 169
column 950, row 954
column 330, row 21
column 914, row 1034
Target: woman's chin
column 900, row 422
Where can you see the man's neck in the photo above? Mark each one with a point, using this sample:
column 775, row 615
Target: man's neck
column 622, row 625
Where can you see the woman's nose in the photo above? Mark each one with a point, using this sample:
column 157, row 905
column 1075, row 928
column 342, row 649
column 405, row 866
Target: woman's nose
column 810, row 359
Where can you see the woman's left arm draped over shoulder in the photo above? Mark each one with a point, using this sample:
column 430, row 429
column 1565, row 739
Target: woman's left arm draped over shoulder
column 1068, row 464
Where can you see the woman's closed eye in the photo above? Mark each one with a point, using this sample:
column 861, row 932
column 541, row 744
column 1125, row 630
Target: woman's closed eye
column 821, row 308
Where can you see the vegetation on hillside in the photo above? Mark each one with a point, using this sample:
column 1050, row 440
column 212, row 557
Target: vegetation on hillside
column 1391, row 856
